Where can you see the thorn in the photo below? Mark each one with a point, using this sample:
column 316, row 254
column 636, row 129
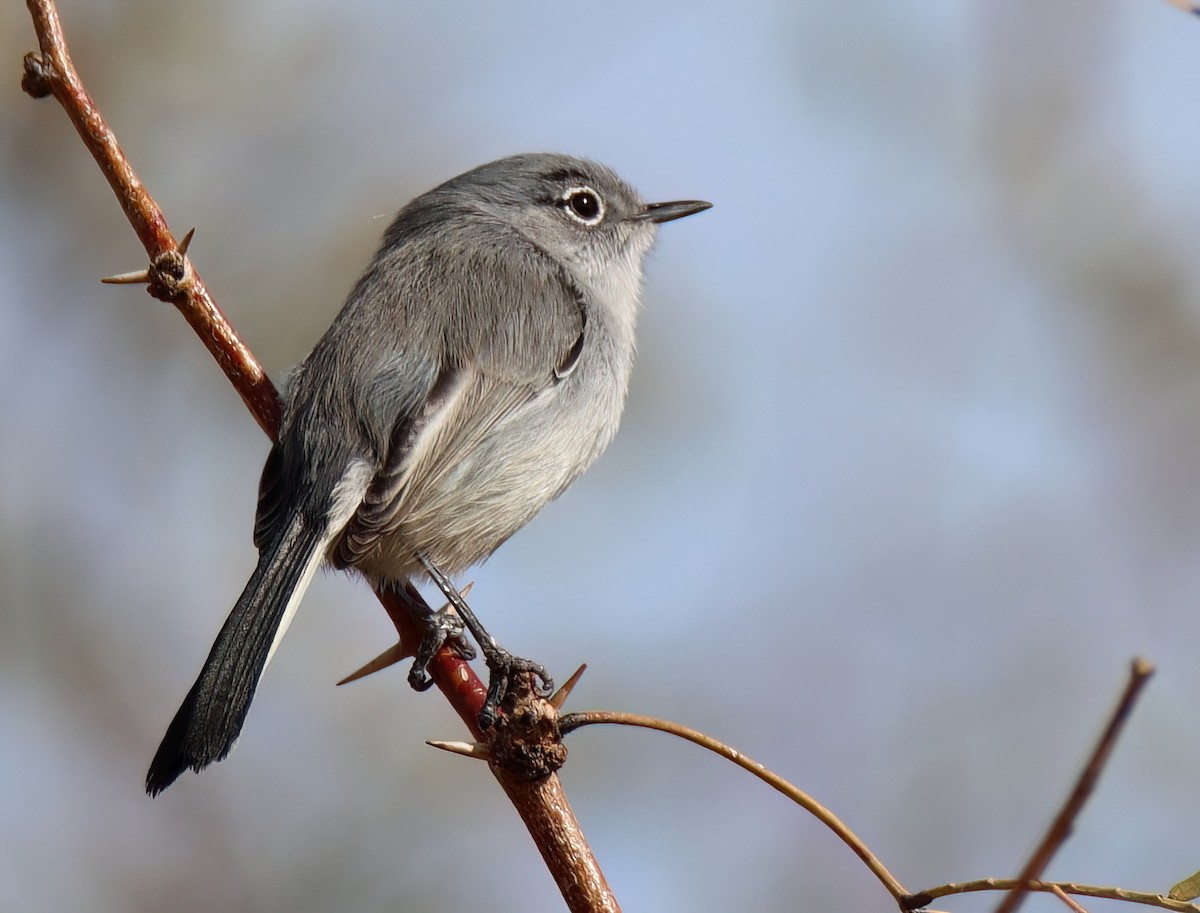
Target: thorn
column 138, row 277
column 559, row 697
column 467, row 749
column 186, row 242
column 388, row 657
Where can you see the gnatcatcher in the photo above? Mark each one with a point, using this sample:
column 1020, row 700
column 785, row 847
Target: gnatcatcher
column 478, row 367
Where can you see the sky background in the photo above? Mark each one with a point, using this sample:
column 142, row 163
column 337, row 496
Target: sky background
column 910, row 468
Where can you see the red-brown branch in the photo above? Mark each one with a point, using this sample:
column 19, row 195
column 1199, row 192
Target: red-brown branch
column 51, row 71
column 172, row 278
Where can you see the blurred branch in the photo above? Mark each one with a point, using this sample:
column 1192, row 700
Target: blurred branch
column 1060, row 829
column 1188, row 6
column 171, row 277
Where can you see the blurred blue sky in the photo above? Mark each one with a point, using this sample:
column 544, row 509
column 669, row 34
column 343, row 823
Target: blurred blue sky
column 910, row 469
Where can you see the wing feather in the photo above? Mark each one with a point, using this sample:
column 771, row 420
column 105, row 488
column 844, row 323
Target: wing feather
column 509, row 325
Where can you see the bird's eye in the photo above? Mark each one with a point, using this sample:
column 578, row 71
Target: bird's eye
column 584, row 205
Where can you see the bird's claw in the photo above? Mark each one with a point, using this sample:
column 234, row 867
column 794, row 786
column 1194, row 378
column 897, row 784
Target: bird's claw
column 441, row 627
column 503, row 668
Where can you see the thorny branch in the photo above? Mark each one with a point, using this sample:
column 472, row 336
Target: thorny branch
column 171, row 277
column 539, row 799
column 50, row 71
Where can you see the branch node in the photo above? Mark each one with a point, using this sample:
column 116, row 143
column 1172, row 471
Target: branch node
column 526, row 741
column 170, row 275
column 37, row 80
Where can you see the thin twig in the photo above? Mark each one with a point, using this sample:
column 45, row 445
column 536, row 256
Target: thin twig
column 1067, row 887
column 1139, row 673
column 573, row 721
column 172, row 278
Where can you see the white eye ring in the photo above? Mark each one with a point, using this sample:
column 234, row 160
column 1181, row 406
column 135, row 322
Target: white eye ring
column 583, row 205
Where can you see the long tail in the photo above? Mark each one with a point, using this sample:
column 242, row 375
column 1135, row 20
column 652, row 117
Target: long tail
column 207, row 725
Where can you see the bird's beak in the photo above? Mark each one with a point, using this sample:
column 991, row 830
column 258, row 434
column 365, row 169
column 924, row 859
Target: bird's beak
column 668, row 212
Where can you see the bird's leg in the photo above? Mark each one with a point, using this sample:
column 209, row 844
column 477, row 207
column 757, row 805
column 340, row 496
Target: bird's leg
column 439, row 627
column 502, row 665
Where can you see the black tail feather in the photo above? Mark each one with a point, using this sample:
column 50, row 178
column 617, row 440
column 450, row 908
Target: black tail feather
column 210, row 719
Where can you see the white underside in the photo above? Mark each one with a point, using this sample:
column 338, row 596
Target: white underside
column 289, row 611
column 347, row 497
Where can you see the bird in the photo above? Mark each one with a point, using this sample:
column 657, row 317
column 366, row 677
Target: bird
column 478, row 367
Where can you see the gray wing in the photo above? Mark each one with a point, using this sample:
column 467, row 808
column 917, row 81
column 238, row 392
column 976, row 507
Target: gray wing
column 510, row 327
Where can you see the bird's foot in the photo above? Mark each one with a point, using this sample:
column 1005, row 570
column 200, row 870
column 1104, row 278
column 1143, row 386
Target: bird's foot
column 441, row 627
column 503, row 668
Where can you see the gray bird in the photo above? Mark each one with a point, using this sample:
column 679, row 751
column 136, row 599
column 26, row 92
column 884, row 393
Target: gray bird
column 478, row 367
